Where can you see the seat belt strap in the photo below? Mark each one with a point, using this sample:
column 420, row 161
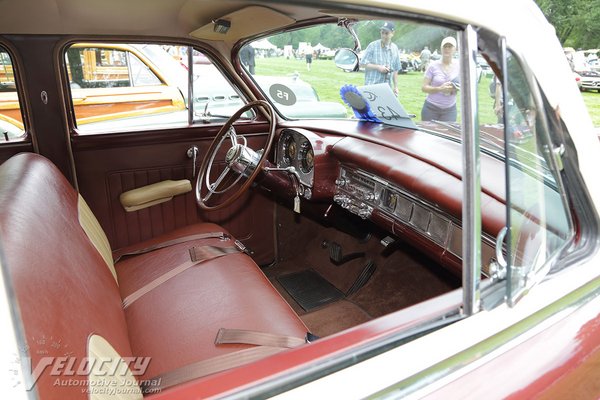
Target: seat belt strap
column 198, row 255
column 243, row 336
column 207, row 367
column 118, row 254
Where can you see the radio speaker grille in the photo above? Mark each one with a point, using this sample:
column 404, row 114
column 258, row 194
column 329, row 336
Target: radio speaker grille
column 403, row 208
column 420, row 218
column 438, row 229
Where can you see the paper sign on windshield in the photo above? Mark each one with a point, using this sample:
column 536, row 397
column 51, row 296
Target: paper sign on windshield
column 385, row 106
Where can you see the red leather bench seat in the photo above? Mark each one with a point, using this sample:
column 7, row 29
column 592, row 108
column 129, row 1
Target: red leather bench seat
column 67, row 292
column 176, row 323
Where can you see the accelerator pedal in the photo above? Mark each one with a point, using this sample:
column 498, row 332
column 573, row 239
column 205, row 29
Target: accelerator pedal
column 363, row 278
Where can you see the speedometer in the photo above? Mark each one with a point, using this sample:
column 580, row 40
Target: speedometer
column 307, row 158
column 289, row 150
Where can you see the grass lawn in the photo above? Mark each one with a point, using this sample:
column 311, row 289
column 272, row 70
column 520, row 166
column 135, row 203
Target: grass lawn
column 592, row 101
column 326, row 79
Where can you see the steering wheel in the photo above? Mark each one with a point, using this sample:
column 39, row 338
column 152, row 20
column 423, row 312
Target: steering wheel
column 240, row 161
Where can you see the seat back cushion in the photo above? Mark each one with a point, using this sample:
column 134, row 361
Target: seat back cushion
column 110, row 377
column 65, row 290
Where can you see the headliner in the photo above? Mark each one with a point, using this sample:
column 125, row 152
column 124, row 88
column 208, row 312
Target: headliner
column 171, row 18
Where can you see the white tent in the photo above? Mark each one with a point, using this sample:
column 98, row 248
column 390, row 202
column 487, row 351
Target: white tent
column 320, row 47
column 263, row 44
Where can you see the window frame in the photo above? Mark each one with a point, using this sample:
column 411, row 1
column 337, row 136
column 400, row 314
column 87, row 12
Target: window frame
column 68, row 105
column 22, row 99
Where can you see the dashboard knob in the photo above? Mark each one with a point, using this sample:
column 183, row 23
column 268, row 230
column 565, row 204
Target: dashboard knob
column 369, row 196
column 364, row 213
column 340, row 182
column 342, row 200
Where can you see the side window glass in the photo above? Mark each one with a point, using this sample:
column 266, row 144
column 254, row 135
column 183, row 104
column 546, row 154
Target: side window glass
column 141, row 74
column 11, row 118
column 213, row 94
column 539, row 220
column 125, row 87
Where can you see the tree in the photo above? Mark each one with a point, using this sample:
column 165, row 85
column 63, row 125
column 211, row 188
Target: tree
column 329, row 35
column 577, row 22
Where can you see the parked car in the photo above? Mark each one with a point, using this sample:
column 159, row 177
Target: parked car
column 307, row 103
column 10, row 129
column 577, row 78
column 107, row 81
column 114, row 85
column 254, row 250
column 590, row 80
column 218, row 97
column 592, row 59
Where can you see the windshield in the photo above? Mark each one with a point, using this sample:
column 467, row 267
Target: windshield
column 316, row 72
column 398, row 73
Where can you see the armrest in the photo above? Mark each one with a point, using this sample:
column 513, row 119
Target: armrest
column 151, row 195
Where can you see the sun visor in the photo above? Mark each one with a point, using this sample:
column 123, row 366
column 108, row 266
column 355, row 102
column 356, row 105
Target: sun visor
column 242, row 23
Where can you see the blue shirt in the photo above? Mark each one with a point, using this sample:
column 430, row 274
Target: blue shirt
column 376, row 54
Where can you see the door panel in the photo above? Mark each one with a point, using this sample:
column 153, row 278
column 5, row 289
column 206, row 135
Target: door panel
column 108, row 165
column 9, row 150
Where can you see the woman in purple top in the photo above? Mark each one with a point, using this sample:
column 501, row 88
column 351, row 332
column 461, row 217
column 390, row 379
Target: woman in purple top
column 440, row 84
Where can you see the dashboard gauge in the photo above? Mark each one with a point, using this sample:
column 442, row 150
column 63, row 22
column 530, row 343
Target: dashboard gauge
column 307, row 158
column 289, row 149
column 390, row 200
column 294, row 149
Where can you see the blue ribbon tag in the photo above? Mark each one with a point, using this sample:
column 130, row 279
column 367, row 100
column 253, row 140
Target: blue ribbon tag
column 360, row 106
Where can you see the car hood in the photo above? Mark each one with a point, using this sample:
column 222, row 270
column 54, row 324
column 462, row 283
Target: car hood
column 314, row 109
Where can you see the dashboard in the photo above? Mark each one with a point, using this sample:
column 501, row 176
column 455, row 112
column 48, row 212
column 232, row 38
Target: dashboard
column 416, row 199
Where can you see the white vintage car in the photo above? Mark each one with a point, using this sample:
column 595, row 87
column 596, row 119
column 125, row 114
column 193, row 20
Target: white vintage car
column 421, row 241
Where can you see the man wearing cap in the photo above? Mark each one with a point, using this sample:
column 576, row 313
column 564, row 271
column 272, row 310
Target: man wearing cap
column 382, row 60
column 441, row 82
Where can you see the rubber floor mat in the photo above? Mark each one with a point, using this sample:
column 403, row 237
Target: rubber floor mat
column 309, row 289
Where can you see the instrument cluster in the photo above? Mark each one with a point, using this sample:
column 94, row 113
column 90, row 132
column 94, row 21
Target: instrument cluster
column 295, row 150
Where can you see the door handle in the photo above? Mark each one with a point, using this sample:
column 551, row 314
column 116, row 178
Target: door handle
column 193, row 154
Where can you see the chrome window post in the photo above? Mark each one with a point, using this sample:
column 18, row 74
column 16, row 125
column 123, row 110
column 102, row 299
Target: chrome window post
column 471, row 205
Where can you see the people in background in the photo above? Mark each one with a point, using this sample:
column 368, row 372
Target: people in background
column 308, row 55
column 425, row 57
column 247, row 57
column 382, row 60
column 496, row 93
column 441, row 83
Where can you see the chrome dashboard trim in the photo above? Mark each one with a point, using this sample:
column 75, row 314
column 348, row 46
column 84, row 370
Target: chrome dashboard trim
column 421, row 216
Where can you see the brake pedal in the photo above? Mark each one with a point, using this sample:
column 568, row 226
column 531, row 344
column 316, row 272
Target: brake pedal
column 336, row 254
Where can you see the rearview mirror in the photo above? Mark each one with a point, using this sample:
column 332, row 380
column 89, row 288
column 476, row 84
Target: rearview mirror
column 346, row 60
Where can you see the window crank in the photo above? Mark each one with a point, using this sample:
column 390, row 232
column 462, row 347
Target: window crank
column 193, row 154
